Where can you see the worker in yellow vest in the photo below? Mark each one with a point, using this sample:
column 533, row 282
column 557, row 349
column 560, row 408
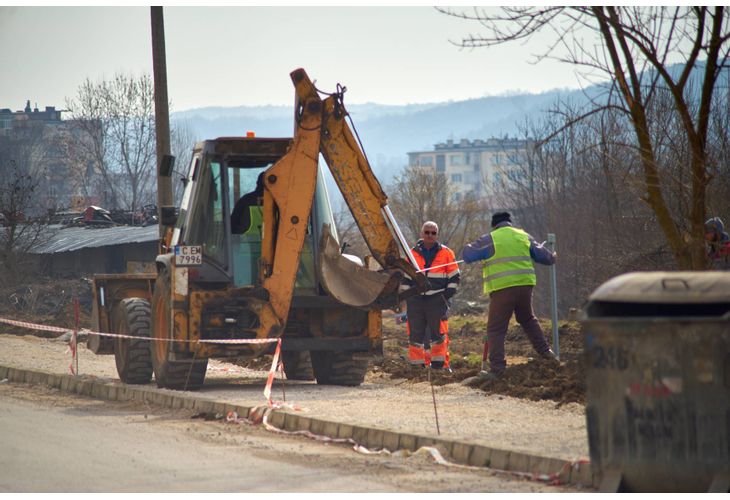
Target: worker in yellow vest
column 509, row 278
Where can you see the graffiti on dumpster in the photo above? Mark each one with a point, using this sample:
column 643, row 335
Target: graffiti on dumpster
column 652, row 428
column 667, row 428
column 649, row 390
column 611, row 357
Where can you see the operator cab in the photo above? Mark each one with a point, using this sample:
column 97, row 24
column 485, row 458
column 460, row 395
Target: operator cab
column 224, row 173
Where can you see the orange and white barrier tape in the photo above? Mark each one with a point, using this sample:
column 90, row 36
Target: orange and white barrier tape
column 34, row 326
column 272, row 371
column 260, row 415
column 276, row 365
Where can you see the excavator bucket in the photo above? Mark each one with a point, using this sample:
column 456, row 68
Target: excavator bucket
column 349, row 282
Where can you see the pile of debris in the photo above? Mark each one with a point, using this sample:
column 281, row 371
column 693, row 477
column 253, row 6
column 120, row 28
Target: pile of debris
column 97, row 216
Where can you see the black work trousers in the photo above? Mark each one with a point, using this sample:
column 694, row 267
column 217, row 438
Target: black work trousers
column 425, row 313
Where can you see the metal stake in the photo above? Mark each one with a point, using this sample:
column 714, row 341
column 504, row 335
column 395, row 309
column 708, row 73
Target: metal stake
column 433, row 395
column 554, row 297
column 280, row 368
column 76, row 332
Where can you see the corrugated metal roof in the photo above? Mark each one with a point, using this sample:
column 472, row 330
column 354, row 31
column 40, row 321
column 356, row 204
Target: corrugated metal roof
column 75, row 238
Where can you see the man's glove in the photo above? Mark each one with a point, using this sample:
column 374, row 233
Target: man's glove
column 449, row 293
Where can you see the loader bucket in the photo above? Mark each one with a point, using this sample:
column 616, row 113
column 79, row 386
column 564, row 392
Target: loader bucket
column 347, row 281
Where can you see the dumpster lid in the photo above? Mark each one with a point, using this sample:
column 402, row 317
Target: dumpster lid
column 685, row 287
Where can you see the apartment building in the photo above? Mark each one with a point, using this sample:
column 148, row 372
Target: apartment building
column 48, row 148
column 476, row 168
column 13, row 121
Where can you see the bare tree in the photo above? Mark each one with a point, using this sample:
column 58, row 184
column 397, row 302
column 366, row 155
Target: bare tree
column 118, row 116
column 639, row 51
column 418, row 195
column 21, row 232
column 88, row 112
column 349, row 234
column 182, row 144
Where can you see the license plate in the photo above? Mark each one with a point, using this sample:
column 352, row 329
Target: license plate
column 188, row 255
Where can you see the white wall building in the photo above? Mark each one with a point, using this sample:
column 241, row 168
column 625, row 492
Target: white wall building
column 476, row 168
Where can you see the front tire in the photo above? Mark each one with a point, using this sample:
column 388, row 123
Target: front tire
column 173, row 370
column 134, row 364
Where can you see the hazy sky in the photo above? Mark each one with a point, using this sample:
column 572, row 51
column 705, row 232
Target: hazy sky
column 231, row 56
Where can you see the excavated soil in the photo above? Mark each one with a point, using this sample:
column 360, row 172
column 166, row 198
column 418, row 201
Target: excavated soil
column 527, row 376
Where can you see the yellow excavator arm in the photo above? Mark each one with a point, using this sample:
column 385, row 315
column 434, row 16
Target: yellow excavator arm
column 289, row 187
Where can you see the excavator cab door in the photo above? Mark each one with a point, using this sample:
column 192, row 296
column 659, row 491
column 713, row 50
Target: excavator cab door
column 246, row 236
column 246, row 223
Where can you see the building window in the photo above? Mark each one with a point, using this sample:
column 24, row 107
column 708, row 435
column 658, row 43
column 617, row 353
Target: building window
column 515, row 175
column 440, row 163
column 456, row 160
column 456, row 196
column 455, row 177
column 426, row 161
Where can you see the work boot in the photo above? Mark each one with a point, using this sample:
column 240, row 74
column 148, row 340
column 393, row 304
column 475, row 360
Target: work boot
column 550, row 356
column 481, row 377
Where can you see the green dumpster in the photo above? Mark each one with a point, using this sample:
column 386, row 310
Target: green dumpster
column 657, row 352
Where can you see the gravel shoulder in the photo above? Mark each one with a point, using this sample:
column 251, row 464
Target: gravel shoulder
column 537, row 427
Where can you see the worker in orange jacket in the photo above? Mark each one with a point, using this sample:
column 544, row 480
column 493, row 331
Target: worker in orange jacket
column 428, row 311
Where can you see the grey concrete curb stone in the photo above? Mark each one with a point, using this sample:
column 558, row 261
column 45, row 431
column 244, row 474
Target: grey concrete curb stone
column 459, row 452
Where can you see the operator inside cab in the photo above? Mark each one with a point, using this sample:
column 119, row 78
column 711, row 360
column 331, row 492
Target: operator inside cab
column 247, row 216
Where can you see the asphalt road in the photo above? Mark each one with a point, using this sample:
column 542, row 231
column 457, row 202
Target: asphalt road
column 54, row 442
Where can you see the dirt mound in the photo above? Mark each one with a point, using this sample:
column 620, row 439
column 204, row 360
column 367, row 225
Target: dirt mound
column 538, row 380
column 526, row 377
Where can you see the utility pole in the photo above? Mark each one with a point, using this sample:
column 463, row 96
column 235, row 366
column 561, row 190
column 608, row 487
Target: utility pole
column 162, row 115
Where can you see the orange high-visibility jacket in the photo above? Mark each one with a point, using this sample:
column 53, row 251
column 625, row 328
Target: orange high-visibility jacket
column 444, row 279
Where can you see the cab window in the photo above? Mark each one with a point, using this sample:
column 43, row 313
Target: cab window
column 207, row 225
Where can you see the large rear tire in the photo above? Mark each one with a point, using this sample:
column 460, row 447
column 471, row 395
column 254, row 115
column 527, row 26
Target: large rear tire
column 297, row 365
column 134, row 364
column 183, row 371
column 339, row 368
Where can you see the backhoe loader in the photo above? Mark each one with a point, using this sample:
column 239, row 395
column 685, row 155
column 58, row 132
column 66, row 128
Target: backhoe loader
column 285, row 277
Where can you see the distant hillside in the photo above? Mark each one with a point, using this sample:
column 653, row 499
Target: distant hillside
column 388, row 133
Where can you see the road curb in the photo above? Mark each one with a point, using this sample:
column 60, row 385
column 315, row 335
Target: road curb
column 459, row 452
